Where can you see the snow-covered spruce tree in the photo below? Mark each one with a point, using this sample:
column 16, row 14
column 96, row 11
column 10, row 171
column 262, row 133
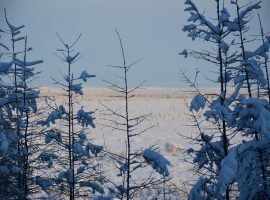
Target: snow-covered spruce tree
column 214, row 142
column 246, row 164
column 137, row 165
column 18, row 114
column 67, row 158
column 9, row 168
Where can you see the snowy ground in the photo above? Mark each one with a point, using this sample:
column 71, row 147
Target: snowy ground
column 168, row 113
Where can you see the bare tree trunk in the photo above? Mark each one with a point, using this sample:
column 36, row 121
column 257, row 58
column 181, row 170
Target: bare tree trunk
column 70, row 133
column 126, row 117
column 243, row 49
column 222, row 91
column 20, row 176
column 265, row 60
column 26, row 156
column 164, row 188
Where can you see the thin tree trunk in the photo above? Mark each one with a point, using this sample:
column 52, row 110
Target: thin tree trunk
column 26, row 157
column 243, row 49
column 20, row 177
column 223, row 93
column 70, row 134
column 127, row 118
column 265, row 60
column 164, row 188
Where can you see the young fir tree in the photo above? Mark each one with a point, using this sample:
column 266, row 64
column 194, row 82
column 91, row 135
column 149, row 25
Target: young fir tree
column 18, row 115
column 238, row 68
column 135, row 161
column 214, row 143
column 69, row 155
column 248, row 162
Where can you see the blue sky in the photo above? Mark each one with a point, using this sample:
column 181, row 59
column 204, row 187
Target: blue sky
column 150, row 29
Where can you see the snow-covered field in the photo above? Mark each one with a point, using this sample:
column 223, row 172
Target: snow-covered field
column 168, row 111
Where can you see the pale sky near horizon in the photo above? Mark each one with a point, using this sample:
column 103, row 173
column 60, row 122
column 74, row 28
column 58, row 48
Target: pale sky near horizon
column 151, row 31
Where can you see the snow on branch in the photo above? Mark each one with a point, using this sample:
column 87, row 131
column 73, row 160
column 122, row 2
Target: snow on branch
column 158, row 162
